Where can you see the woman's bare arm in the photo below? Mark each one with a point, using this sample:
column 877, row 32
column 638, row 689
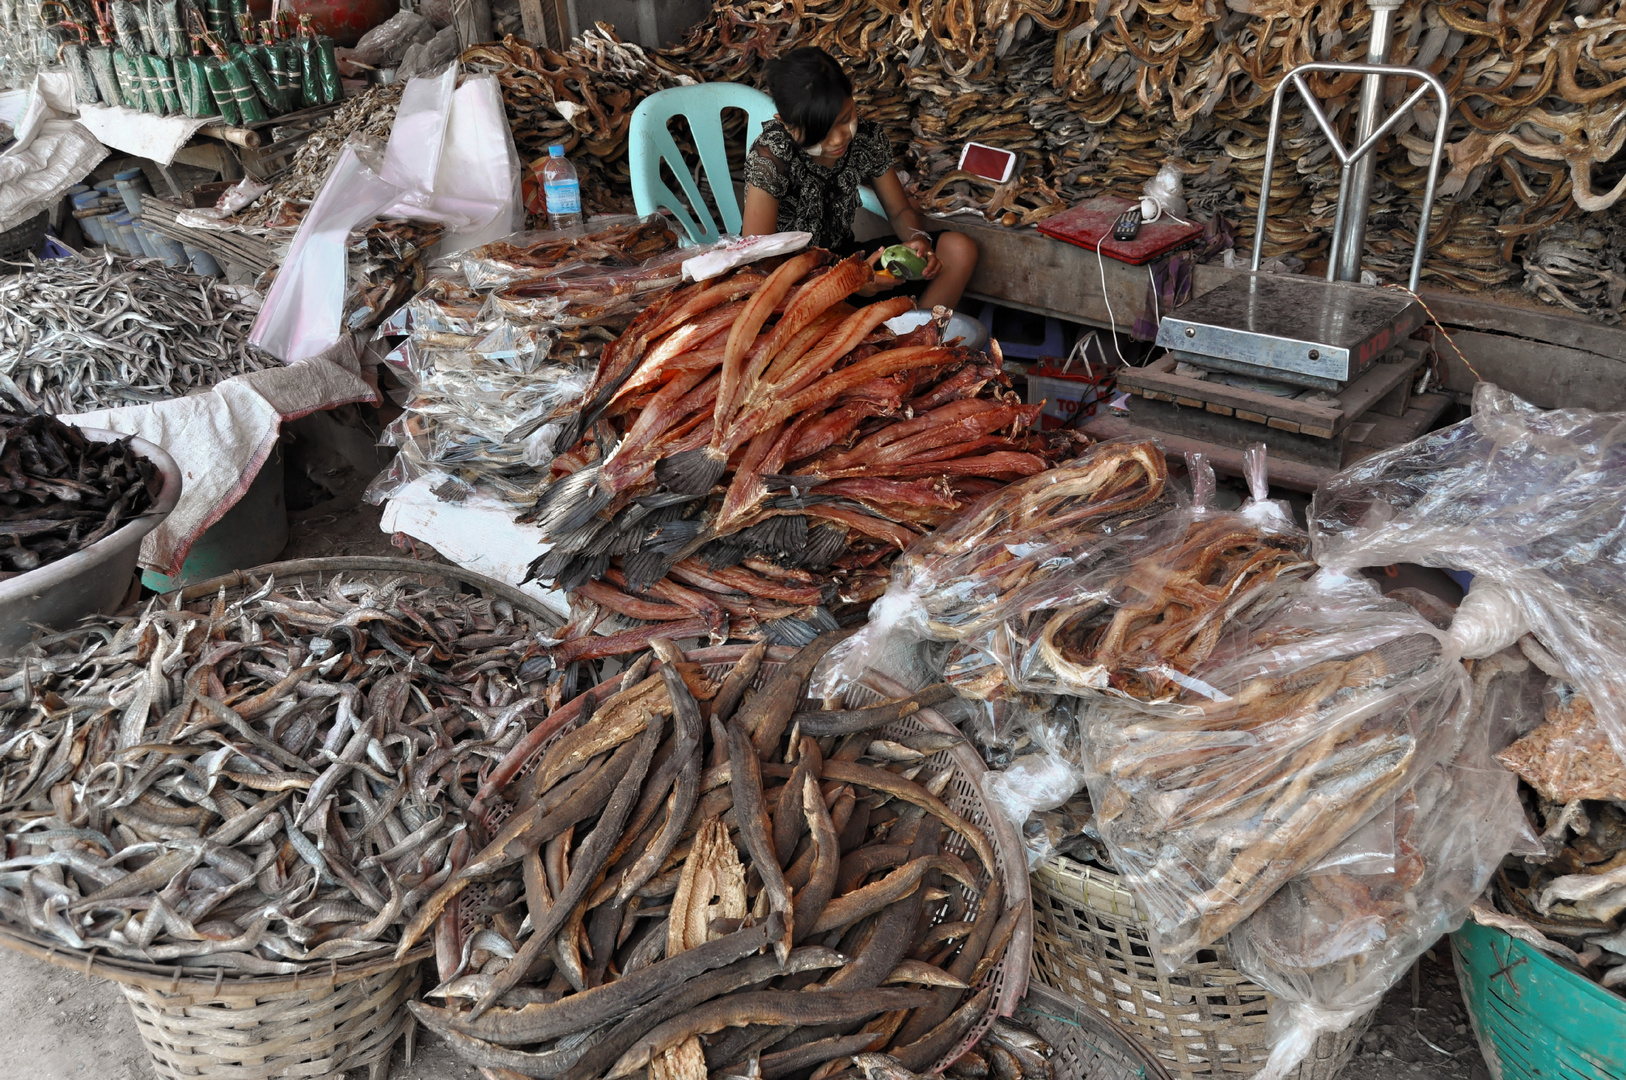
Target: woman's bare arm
column 761, row 213
column 907, row 220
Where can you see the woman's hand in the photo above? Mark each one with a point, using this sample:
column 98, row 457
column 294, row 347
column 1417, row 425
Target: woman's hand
column 923, row 247
column 880, row 280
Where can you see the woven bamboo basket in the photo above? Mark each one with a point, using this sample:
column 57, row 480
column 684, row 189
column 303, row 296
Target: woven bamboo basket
column 319, row 1024
column 1086, row 1047
column 1092, row 943
column 963, row 795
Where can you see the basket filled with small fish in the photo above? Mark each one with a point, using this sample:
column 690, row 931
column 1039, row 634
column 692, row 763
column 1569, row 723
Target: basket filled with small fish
column 736, row 473
column 77, row 336
column 74, row 506
column 665, row 865
column 234, row 801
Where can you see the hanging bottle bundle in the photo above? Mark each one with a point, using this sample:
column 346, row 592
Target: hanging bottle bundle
column 126, row 26
column 128, row 73
column 67, row 42
column 231, row 84
column 163, row 77
column 217, row 17
column 101, row 61
column 281, row 61
column 319, row 66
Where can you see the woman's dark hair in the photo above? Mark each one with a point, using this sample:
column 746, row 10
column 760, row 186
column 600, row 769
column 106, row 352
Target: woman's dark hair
column 809, row 90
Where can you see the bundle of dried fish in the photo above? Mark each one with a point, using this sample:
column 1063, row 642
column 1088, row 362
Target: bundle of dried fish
column 490, row 371
column 259, row 784
column 714, row 434
column 62, row 492
column 646, row 941
column 959, row 582
column 369, row 115
column 1009, row 1051
column 1292, row 734
column 77, row 336
column 1583, row 269
column 391, row 270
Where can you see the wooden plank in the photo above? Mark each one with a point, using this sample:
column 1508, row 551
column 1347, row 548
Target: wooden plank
column 1293, row 475
column 533, row 23
column 1282, row 436
column 1373, row 387
column 1554, row 326
column 1546, row 375
column 1387, row 432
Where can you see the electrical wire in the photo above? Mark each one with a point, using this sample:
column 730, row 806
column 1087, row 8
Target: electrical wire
column 1101, row 265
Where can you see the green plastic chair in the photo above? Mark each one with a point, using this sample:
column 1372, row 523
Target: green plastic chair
column 650, row 143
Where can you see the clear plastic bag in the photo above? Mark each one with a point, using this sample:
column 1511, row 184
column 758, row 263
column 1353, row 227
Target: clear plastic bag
column 1044, row 776
column 620, row 240
column 958, row 582
column 1157, row 599
column 1333, row 941
column 1295, row 732
column 1528, row 499
column 386, row 43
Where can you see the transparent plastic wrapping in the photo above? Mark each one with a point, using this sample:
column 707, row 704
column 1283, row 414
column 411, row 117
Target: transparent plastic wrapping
column 484, row 416
column 1528, row 499
column 387, row 42
column 1157, row 601
column 584, row 294
column 956, row 583
column 1301, row 724
column 1331, row 943
column 622, row 240
column 1045, row 776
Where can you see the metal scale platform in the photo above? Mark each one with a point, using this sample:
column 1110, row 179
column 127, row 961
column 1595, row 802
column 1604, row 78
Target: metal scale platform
column 1311, row 367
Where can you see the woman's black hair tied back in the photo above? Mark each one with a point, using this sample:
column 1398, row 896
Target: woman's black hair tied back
column 809, row 89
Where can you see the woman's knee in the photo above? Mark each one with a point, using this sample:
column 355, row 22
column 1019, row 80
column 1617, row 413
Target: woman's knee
column 957, row 249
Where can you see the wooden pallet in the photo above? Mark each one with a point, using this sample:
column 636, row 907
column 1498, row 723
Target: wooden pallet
column 1368, row 435
column 1385, row 387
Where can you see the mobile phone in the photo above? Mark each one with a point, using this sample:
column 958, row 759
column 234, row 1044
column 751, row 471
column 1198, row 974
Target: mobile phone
column 988, row 162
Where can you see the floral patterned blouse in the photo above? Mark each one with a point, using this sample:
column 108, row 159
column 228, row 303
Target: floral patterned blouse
column 812, row 197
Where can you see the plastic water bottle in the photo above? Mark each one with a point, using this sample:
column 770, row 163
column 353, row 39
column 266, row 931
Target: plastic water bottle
column 563, row 190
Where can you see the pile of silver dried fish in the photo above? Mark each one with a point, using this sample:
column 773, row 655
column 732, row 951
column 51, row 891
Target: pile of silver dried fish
column 258, row 784
column 78, row 336
column 60, row 492
column 619, row 927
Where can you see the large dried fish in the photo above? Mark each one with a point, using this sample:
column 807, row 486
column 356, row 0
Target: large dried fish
column 60, row 492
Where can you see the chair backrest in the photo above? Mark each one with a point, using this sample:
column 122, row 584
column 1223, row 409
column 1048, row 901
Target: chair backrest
column 650, row 143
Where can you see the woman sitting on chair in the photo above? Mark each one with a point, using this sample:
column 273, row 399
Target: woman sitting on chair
column 803, row 173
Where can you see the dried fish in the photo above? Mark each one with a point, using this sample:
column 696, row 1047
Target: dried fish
column 60, row 492
column 82, row 335
column 725, row 935
column 255, row 784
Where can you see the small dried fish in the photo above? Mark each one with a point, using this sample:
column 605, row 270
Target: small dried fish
column 82, row 335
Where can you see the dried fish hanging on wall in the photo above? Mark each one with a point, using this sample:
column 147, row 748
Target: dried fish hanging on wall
column 1096, row 97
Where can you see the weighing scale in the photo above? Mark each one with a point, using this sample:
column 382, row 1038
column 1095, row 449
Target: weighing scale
column 1298, row 330
column 1321, row 370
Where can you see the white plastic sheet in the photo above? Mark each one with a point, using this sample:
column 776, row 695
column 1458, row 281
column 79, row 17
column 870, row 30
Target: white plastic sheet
column 478, row 182
column 412, row 158
column 303, row 311
column 52, row 152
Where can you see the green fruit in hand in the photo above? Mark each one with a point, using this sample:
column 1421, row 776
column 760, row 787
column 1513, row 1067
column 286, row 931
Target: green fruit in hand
column 903, row 261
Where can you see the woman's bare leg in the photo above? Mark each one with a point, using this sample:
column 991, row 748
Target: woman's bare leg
column 958, row 254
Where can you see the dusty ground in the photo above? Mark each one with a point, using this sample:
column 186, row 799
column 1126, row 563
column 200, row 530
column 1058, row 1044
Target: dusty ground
column 61, row 1027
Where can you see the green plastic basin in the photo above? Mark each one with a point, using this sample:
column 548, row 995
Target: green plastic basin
column 1534, row 1017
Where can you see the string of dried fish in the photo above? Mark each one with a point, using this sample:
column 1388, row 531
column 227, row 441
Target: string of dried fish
column 257, row 784
column 77, row 336
column 60, row 492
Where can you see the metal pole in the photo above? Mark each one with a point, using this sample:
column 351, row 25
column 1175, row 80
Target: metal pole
column 1346, row 258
